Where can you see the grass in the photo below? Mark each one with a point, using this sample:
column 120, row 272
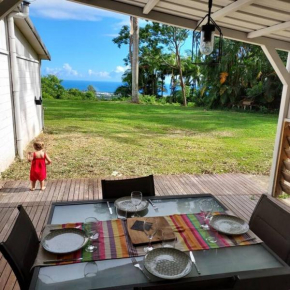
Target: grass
column 89, row 139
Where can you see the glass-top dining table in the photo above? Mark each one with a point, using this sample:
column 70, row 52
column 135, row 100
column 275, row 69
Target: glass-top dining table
column 256, row 265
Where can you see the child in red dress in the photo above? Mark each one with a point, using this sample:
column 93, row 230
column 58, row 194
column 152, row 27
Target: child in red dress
column 38, row 160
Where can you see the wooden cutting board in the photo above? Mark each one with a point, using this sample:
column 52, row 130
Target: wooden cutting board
column 139, row 237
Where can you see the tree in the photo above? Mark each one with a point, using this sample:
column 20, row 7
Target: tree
column 51, row 87
column 150, row 57
column 89, row 95
column 244, row 72
column 155, row 40
column 174, row 38
column 130, row 36
column 92, row 90
column 124, row 91
column 75, row 94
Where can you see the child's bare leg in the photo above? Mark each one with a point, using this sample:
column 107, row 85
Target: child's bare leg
column 42, row 185
column 33, row 185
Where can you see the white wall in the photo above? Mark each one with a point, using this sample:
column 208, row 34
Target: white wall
column 29, row 73
column 31, row 115
column 7, row 143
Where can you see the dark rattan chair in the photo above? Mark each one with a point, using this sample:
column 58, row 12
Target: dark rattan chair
column 21, row 247
column 270, row 223
column 118, row 188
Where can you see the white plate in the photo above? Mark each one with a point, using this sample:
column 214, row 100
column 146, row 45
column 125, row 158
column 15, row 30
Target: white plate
column 125, row 204
column 229, row 225
column 167, row 263
column 64, row 241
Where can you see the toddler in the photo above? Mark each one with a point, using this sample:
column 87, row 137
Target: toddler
column 38, row 160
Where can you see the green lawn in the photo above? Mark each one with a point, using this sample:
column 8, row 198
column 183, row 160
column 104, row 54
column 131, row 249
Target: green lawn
column 88, row 139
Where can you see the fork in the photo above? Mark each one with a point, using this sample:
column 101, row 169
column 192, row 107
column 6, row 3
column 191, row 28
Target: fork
column 137, row 265
column 153, row 205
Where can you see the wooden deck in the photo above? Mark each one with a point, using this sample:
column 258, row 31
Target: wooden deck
column 236, row 191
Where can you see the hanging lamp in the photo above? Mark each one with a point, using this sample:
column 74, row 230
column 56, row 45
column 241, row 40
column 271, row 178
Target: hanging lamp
column 204, row 48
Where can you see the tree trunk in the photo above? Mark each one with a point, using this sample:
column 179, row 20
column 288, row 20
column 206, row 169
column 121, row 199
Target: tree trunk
column 135, row 59
column 181, row 77
column 172, row 83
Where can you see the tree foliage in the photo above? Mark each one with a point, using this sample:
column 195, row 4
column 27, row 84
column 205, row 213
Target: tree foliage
column 244, row 72
column 92, row 90
column 53, row 89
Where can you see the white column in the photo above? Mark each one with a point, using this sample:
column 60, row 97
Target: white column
column 284, row 112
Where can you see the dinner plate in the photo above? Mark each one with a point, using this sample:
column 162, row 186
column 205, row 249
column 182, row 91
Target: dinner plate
column 125, row 204
column 228, row 224
column 167, row 263
column 64, row 241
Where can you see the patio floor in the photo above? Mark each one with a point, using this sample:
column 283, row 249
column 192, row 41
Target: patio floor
column 237, row 192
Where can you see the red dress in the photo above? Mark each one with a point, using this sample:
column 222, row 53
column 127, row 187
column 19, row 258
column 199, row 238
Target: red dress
column 38, row 168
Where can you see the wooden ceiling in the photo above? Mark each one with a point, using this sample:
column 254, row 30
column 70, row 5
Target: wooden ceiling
column 255, row 21
column 243, row 15
column 253, row 18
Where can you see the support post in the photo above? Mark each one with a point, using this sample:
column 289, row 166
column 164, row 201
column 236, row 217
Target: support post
column 284, row 112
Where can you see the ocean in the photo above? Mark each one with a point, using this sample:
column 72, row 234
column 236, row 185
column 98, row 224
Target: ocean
column 100, row 87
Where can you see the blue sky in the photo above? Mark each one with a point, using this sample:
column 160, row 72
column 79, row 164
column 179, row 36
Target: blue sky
column 79, row 39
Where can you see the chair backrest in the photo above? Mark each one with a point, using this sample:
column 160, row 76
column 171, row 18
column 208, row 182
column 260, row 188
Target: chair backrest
column 270, row 223
column 224, row 283
column 124, row 187
column 21, row 247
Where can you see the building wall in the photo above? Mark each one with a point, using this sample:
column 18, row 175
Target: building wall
column 29, row 74
column 7, row 143
column 30, row 82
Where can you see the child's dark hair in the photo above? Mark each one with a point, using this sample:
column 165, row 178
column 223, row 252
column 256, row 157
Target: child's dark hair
column 38, row 145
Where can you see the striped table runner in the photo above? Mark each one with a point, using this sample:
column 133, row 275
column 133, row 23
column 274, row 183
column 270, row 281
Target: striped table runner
column 114, row 241
column 191, row 237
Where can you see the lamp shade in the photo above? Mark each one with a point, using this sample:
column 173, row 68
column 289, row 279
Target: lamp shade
column 207, row 39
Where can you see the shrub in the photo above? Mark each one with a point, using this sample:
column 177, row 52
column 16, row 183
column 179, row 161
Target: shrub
column 123, row 91
column 147, row 99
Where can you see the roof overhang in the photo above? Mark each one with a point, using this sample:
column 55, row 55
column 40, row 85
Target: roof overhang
column 237, row 19
column 29, row 31
column 25, row 26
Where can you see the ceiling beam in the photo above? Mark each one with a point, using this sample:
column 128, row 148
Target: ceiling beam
column 237, row 5
column 269, row 30
column 183, row 22
column 277, row 64
column 150, row 5
column 6, row 6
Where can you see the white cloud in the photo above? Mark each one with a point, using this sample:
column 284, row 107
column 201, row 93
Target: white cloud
column 101, row 74
column 121, row 69
column 126, row 21
column 68, row 70
column 52, row 71
column 112, row 35
column 65, row 10
column 118, row 25
column 64, row 71
column 108, row 75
